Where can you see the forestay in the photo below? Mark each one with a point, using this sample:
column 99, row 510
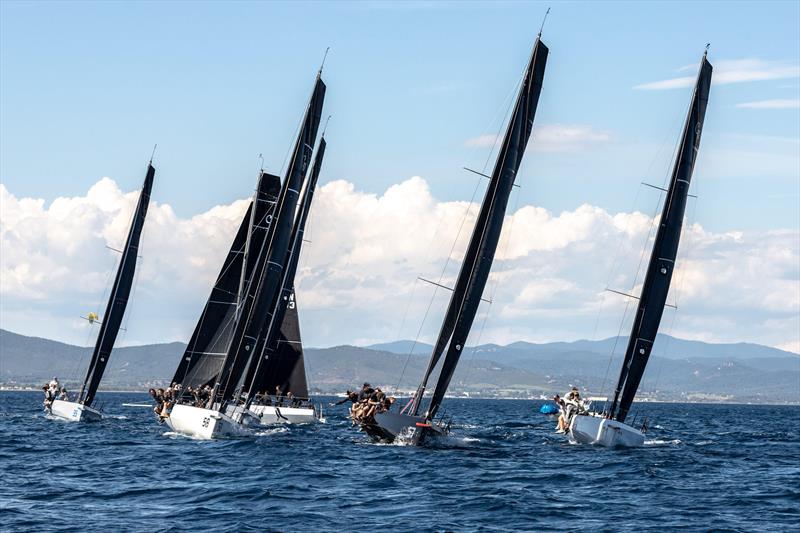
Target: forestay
column 260, row 297
column 665, row 250
column 205, row 353
column 280, row 364
column 118, row 299
column 477, row 263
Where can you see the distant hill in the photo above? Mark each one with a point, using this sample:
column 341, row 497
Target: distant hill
column 693, row 371
column 666, row 346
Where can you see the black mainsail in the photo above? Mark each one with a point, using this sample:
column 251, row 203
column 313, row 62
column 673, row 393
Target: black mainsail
column 665, row 250
column 118, row 299
column 205, row 353
column 259, row 300
column 280, row 364
column 477, row 263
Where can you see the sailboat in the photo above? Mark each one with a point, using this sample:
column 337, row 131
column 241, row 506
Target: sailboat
column 82, row 408
column 206, row 350
column 249, row 326
column 412, row 422
column 280, row 367
column 609, row 428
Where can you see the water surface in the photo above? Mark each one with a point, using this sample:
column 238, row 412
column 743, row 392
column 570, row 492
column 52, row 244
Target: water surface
column 721, row 467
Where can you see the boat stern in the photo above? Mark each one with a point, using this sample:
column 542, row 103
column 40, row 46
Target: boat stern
column 74, row 411
column 589, row 429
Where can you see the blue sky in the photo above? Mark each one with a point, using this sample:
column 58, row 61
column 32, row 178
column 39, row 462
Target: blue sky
column 88, row 88
column 415, row 89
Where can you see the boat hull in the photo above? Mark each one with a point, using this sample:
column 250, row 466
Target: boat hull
column 387, row 427
column 75, row 412
column 269, row 414
column 201, row 423
column 588, row 429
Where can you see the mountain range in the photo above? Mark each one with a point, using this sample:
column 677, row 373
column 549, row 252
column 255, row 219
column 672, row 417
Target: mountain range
column 679, row 370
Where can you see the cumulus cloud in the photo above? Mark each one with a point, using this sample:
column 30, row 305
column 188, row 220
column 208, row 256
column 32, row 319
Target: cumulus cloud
column 357, row 281
column 779, row 103
column 553, row 138
column 731, row 71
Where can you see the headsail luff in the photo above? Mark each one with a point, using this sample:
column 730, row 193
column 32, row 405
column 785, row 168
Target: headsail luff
column 118, row 299
column 259, row 227
column 279, row 358
column 286, row 369
column 477, row 263
column 665, row 250
column 205, row 353
column 264, row 288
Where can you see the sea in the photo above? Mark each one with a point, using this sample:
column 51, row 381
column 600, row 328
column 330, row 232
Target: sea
column 703, row 468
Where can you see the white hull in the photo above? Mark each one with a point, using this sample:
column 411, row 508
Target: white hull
column 200, row 423
column 269, row 414
column 587, row 429
column 74, row 412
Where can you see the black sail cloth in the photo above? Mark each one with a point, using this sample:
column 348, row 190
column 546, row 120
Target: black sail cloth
column 205, row 353
column 665, row 250
column 118, row 299
column 286, row 371
column 477, row 264
column 280, row 364
column 259, row 300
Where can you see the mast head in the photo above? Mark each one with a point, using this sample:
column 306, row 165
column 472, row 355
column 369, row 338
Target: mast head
column 324, row 57
column 705, row 54
column 153, row 154
column 539, row 36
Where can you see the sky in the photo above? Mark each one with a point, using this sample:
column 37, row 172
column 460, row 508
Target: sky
column 416, row 91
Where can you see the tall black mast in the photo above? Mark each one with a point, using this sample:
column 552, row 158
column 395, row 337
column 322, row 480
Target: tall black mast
column 665, row 250
column 118, row 299
column 205, row 353
column 486, row 234
column 275, row 367
column 263, row 289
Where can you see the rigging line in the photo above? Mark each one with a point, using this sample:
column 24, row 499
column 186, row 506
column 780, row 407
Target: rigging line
column 494, row 288
column 122, row 260
column 400, row 331
column 668, row 171
column 614, row 348
column 227, row 265
column 441, row 275
column 492, row 188
column 689, row 247
column 471, row 365
column 611, row 274
column 76, row 373
column 460, row 229
column 302, row 120
column 682, row 121
column 201, row 321
column 414, row 344
column 653, row 225
column 429, row 248
column 627, row 304
column 508, row 102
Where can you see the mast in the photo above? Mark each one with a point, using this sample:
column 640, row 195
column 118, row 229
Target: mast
column 477, row 262
column 118, row 299
column 279, row 358
column 207, row 348
column 264, row 287
column 665, row 250
column 265, row 199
